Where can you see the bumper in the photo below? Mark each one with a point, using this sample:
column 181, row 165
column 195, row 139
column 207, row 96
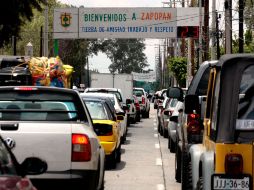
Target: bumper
column 62, row 175
column 109, row 147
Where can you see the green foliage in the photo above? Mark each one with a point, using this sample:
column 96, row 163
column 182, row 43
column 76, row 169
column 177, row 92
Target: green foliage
column 178, row 66
column 13, row 14
column 127, row 55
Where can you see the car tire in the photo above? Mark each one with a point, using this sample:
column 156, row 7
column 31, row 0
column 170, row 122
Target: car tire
column 94, row 178
column 138, row 117
column 186, row 172
column 200, row 183
column 112, row 160
column 169, row 144
column 165, row 134
column 118, row 156
column 172, row 145
column 178, row 165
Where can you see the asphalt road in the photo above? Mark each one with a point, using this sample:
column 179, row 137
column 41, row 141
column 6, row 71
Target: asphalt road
column 146, row 161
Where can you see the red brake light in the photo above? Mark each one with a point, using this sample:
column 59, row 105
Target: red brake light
column 143, row 100
column 25, row 88
column 193, row 124
column 233, row 164
column 81, row 148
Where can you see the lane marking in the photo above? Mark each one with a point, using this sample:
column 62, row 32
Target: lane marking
column 157, row 145
column 154, row 124
column 155, row 128
column 160, row 187
column 154, row 120
column 158, row 162
column 156, row 135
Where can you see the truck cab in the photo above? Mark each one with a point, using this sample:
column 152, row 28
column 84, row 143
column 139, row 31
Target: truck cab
column 224, row 159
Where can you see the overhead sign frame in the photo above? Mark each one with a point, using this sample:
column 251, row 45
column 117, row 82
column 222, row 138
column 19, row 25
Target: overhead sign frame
column 138, row 22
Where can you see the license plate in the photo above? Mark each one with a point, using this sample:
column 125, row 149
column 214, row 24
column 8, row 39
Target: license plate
column 221, row 182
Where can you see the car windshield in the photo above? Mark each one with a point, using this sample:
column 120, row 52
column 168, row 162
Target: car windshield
column 97, row 110
column 118, row 94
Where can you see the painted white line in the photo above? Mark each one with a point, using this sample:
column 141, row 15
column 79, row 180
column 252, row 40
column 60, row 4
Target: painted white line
column 160, row 187
column 154, row 120
column 154, row 124
column 155, row 128
column 156, row 135
column 157, row 145
column 158, row 162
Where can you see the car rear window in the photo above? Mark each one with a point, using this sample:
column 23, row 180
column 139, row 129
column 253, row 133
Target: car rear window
column 245, row 120
column 39, row 106
column 138, row 93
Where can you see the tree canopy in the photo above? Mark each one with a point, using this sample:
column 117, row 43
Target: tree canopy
column 13, row 14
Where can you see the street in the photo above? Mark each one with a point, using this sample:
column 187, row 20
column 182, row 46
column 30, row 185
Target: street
column 146, row 161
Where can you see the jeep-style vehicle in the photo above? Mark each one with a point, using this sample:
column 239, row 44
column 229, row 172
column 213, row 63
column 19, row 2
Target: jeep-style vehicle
column 224, row 160
column 189, row 128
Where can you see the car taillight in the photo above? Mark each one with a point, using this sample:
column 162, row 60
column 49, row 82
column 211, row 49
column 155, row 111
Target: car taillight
column 143, row 100
column 25, row 88
column 193, row 124
column 233, row 164
column 81, row 148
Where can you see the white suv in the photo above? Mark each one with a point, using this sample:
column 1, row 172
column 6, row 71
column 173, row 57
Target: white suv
column 143, row 101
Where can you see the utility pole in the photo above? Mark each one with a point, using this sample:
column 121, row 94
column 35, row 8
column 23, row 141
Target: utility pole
column 241, row 7
column 14, row 45
column 214, row 30
column 200, row 32
column 183, row 40
column 206, row 30
column 217, row 36
column 41, row 42
column 45, row 47
column 228, row 26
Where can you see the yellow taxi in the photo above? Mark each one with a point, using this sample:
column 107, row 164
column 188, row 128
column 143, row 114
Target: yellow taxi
column 107, row 127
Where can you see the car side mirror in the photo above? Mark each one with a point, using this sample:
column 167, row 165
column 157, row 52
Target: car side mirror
column 128, row 101
column 125, row 108
column 34, row 166
column 191, row 104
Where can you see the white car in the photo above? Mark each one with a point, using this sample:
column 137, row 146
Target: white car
column 176, row 106
column 54, row 125
column 143, row 101
column 117, row 107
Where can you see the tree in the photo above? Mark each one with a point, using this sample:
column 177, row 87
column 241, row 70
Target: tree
column 126, row 54
column 13, row 14
column 178, row 66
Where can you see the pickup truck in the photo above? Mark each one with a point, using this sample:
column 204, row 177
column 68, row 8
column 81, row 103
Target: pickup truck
column 53, row 124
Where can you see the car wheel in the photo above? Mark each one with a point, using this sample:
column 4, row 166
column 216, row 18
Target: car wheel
column 112, row 159
column 200, row 183
column 94, row 178
column 165, row 134
column 178, row 165
column 138, row 117
column 172, row 145
column 186, row 172
column 118, row 156
column 148, row 114
column 169, row 144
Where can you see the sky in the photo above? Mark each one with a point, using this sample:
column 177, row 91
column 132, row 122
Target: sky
column 101, row 62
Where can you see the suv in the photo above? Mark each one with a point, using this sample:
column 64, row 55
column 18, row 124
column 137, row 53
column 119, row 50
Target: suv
column 225, row 158
column 143, row 101
column 190, row 126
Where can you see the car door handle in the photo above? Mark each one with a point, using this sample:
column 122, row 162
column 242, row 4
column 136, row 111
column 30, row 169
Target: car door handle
column 9, row 127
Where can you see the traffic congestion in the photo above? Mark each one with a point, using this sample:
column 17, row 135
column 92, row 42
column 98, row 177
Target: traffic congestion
column 126, row 95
